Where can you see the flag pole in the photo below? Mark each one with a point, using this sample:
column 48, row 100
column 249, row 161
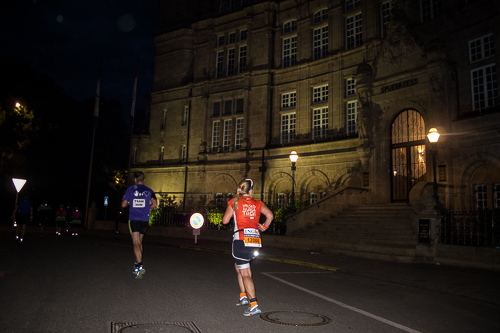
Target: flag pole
column 94, row 127
column 132, row 114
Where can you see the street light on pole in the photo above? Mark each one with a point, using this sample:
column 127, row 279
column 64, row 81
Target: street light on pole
column 293, row 158
column 433, row 137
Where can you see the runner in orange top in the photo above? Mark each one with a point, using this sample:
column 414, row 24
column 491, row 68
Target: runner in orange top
column 246, row 240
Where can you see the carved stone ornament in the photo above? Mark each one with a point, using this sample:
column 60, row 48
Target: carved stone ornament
column 399, row 46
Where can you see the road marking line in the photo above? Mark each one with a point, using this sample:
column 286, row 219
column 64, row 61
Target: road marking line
column 368, row 314
column 301, row 263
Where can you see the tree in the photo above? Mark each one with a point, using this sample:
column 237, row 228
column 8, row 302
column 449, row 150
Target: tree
column 17, row 129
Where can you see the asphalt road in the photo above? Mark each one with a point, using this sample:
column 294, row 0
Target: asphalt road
column 85, row 284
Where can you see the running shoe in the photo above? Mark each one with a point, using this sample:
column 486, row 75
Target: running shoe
column 252, row 311
column 243, row 301
column 140, row 272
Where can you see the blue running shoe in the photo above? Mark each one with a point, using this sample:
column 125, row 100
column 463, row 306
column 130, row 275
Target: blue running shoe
column 252, row 311
column 243, row 301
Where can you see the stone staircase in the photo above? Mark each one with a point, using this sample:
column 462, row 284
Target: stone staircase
column 380, row 231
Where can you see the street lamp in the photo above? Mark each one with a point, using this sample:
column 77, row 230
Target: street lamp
column 293, row 158
column 433, row 137
column 18, row 183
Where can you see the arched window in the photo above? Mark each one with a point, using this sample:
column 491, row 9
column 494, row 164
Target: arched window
column 290, row 26
column 320, row 16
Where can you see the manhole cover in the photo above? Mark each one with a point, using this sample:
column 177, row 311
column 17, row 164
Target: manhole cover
column 155, row 327
column 295, row 318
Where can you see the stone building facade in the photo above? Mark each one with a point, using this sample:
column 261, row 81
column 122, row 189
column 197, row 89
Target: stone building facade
column 353, row 86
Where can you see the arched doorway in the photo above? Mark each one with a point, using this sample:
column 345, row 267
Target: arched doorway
column 407, row 153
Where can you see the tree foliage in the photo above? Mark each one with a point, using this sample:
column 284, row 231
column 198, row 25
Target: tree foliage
column 17, row 129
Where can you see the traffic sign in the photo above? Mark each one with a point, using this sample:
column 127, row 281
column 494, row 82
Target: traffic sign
column 196, row 221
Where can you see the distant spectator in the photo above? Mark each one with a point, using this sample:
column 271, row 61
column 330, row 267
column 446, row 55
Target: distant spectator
column 69, row 212
column 44, row 214
column 76, row 221
column 60, row 219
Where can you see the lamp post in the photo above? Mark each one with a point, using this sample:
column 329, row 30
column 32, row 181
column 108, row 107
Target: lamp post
column 433, row 137
column 293, row 158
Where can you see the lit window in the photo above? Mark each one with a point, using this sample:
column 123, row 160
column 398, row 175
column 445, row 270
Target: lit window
column 320, row 123
column 288, row 100
column 350, row 87
column 320, row 94
column 238, row 138
column 287, row 134
column 313, row 197
column 352, row 117
column 227, row 134
column 215, row 135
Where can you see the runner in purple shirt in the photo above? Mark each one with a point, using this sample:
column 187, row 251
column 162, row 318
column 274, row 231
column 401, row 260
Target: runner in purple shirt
column 141, row 199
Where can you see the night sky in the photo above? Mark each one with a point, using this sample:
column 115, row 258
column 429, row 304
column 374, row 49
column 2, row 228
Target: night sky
column 66, row 39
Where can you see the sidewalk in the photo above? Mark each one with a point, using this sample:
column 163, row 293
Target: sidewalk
column 472, row 283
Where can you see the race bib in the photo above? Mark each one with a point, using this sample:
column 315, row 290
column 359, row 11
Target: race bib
column 251, row 237
column 139, row 203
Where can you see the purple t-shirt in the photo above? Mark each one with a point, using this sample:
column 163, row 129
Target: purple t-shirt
column 139, row 197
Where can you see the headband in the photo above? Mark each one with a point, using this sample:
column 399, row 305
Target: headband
column 251, row 183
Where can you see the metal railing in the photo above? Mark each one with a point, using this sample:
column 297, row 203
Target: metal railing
column 170, row 218
column 473, row 228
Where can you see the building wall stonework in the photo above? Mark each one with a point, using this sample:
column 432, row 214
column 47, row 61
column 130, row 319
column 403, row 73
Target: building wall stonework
column 274, row 87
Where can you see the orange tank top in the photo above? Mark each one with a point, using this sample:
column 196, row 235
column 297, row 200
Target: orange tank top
column 247, row 215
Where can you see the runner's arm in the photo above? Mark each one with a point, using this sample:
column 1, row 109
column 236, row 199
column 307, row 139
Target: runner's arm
column 154, row 203
column 269, row 217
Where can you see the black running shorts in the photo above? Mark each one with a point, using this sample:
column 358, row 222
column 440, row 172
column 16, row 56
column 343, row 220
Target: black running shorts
column 243, row 254
column 138, row 226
